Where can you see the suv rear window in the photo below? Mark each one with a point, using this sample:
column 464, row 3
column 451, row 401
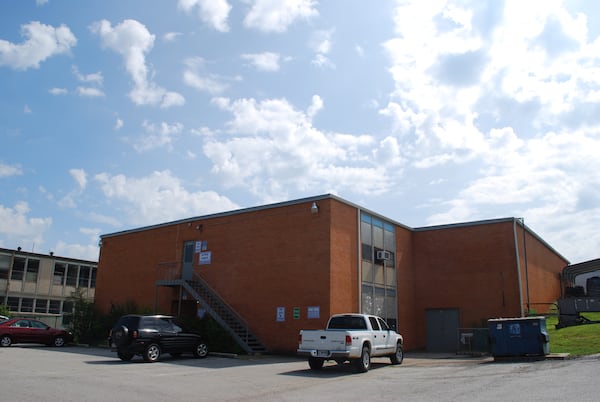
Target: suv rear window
column 130, row 321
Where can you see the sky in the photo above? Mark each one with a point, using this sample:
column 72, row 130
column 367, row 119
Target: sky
column 120, row 114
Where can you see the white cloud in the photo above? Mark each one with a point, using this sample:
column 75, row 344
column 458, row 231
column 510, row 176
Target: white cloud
column 171, row 36
column 8, row 170
column 89, row 92
column 133, row 41
column 17, row 227
column 58, row 91
column 273, row 151
column 195, row 76
column 42, row 42
column 160, row 197
column 93, row 78
column 278, row 15
column 266, row 61
column 321, row 43
column 118, row 124
column 211, row 12
column 158, row 136
column 79, row 176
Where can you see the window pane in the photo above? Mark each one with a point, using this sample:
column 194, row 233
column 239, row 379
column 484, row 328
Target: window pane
column 365, row 233
column 41, row 306
column 93, row 279
column 4, row 266
column 32, row 270
column 84, row 276
column 367, row 252
column 27, row 305
column 379, row 302
column 72, row 275
column 67, row 307
column 367, row 271
column 18, row 269
column 59, row 274
column 13, row 303
column 379, row 274
column 367, row 299
column 54, row 307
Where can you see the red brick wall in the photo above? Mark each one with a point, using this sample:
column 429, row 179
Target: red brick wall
column 540, row 269
column 261, row 260
column 406, row 288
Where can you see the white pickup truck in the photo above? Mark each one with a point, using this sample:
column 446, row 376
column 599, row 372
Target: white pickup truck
column 354, row 337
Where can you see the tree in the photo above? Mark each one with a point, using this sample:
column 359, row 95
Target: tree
column 84, row 319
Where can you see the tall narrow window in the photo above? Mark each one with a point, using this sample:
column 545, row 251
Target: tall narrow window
column 84, row 276
column 59, row 274
column 18, row 270
column 72, row 275
column 93, row 277
column 4, row 266
column 33, row 267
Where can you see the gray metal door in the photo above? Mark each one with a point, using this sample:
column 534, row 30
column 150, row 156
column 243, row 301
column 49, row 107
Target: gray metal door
column 442, row 330
column 187, row 267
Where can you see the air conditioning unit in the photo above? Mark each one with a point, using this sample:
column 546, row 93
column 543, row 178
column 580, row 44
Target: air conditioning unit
column 384, row 255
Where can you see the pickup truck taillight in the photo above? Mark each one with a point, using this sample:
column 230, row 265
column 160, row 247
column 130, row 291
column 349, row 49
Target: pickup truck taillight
column 348, row 340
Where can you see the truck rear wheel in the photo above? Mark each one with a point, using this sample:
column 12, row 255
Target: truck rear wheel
column 398, row 356
column 363, row 364
column 315, row 363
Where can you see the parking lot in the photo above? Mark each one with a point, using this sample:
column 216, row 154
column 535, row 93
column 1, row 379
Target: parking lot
column 42, row 373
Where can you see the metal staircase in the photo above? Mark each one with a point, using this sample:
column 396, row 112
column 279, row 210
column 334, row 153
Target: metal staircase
column 220, row 311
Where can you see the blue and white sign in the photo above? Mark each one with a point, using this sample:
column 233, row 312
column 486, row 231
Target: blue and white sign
column 205, row 258
column 280, row 314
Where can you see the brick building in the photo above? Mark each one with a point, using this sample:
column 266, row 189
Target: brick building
column 266, row 272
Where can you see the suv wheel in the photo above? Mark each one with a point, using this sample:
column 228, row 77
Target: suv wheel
column 201, row 350
column 152, row 353
column 125, row 356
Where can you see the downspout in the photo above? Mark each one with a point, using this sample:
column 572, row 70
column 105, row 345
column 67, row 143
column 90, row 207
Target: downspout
column 359, row 252
column 518, row 267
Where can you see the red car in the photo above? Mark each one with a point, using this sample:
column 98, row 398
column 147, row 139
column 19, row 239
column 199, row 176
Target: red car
column 25, row 330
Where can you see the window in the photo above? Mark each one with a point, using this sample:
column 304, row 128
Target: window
column 33, row 267
column 72, row 275
column 4, row 266
column 59, row 274
column 84, row 276
column 93, row 278
column 54, row 307
column 26, row 305
column 13, row 303
column 67, row 307
column 41, row 306
column 18, row 270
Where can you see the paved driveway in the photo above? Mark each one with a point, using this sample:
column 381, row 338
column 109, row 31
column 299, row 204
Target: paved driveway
column 36, row 373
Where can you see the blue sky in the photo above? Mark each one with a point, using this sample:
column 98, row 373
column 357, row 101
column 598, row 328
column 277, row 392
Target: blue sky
column 120, row 114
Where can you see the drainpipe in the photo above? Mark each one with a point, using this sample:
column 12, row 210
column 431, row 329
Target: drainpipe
column 526, row 268
column 359, row 270
column 518, row 267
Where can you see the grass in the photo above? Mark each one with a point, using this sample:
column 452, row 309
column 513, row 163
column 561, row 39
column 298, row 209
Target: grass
column 578, row 340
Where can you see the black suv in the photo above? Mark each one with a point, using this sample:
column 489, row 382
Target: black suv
column 152, row 335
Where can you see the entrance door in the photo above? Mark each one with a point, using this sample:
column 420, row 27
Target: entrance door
column 442, row 330
column 187, row 267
